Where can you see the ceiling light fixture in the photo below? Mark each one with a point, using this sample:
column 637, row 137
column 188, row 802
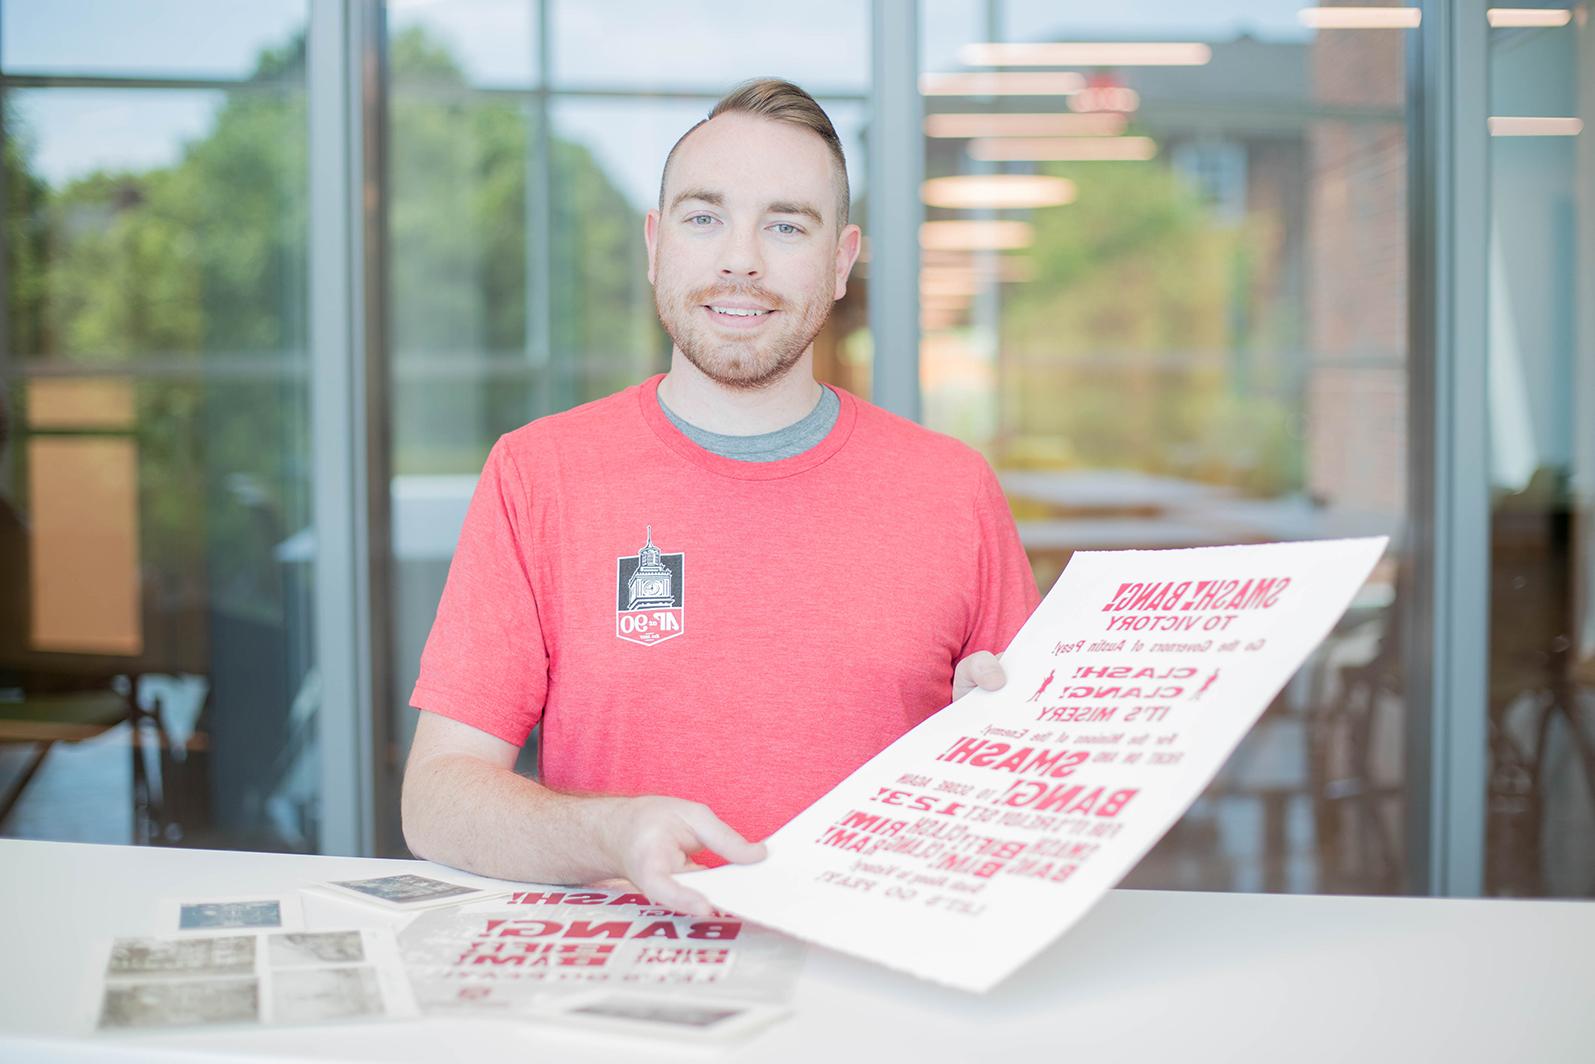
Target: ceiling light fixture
column 1024, row 125
column 932, row 284
column 984, row 266
column 997, row 191
column 953, row 260
column 953, row 303
column 959, row 283
column 1524, row 126
column 1063, row 149
column 1528, row 17
column 1001, row 84
column 1092, row 54
column 1360, row 18
column 976, row 236
column 1105, row 98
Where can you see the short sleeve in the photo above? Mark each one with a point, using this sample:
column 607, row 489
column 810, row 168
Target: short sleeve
column 1005, row 585
column 485, row 662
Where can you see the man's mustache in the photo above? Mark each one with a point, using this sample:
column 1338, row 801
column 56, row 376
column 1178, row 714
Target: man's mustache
column 748, row 293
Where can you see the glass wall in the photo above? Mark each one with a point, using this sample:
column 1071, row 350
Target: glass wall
column 1541, row 345
column 1164, row 290
column 525, row 140
column 155, row 662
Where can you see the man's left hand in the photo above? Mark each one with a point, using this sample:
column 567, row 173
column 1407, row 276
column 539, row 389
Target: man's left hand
column 980, row 669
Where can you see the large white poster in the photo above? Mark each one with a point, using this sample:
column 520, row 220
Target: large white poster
column 976, row 839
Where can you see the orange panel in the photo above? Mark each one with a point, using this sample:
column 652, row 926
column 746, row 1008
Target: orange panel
column 83, row 501
column 81, row 403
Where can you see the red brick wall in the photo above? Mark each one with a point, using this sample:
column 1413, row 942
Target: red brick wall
column 1357, row 273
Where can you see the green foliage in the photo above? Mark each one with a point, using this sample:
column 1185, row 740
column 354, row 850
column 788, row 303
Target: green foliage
column 195, row 278
column 460, row 289
column 1128, row 348
column 26, row 237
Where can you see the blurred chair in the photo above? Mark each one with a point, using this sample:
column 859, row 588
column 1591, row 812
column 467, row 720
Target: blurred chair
column 43, row 720
column 1534, row 687
column 59, row 694
column 1357, row 844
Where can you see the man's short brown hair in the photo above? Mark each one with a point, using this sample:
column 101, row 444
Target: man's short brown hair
column 779, row 101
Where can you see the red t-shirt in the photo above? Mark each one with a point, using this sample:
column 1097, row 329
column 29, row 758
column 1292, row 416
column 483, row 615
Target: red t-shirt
column 780, row 624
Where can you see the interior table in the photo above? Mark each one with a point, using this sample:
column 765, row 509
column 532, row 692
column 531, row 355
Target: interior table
column 1147, row 975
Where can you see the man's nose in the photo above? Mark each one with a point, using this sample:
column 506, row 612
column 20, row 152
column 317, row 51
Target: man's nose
column 740, row 255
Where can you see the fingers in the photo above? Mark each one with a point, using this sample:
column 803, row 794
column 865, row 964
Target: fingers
column 717, row 836
column 658, row 837
column 988, row 670
column 982, row 669
column 663, row 889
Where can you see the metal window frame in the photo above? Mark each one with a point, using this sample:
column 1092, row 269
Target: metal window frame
column 540, row 220
column 341, row 77
column 1447, row 663
column 896, row 148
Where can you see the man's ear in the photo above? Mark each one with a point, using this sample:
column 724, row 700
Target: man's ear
column 650, row 237
column 847, row 249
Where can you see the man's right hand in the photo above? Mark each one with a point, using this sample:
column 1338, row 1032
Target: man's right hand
column 651, row 839
column 464, row 806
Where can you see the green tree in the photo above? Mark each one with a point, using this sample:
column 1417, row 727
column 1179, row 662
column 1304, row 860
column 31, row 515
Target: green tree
column 1121, row 351
column 26, row 238
column 201, row 269
column 459, row 233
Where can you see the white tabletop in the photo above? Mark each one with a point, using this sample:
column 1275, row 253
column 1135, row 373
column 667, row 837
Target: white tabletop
column 1148, row 975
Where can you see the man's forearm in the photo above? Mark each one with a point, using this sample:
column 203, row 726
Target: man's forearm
column 461, row 811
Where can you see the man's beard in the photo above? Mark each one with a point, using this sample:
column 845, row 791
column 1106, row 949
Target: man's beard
column 745, row 365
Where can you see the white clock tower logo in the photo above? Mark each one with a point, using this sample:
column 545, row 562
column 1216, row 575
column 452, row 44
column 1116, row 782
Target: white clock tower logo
column 650, row 603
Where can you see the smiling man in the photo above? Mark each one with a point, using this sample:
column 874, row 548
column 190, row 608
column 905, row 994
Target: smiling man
column 719, row 591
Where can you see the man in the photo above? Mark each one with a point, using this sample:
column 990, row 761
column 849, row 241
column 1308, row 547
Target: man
column 719, row 591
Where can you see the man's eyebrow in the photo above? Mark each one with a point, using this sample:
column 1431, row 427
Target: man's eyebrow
column 715, row 199
column 786, row 207
column 709, row 196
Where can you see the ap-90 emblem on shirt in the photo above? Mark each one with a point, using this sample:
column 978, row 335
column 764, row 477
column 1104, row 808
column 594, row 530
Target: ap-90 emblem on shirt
column 650, row 595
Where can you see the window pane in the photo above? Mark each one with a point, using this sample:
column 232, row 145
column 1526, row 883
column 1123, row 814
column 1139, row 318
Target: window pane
column 150, row 38
column 459, row 296
column 157, row 223
column 489, row 42
column 1541, row 785
column 607, row 158
column 154, row 517
column 1196, row 334
column 823, row 46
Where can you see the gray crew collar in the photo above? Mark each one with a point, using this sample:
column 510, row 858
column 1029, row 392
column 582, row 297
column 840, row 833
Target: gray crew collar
column 766, row 446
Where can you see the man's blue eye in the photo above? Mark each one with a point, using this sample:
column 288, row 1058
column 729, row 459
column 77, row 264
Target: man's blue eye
column 787, row 228
column 700, row 217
